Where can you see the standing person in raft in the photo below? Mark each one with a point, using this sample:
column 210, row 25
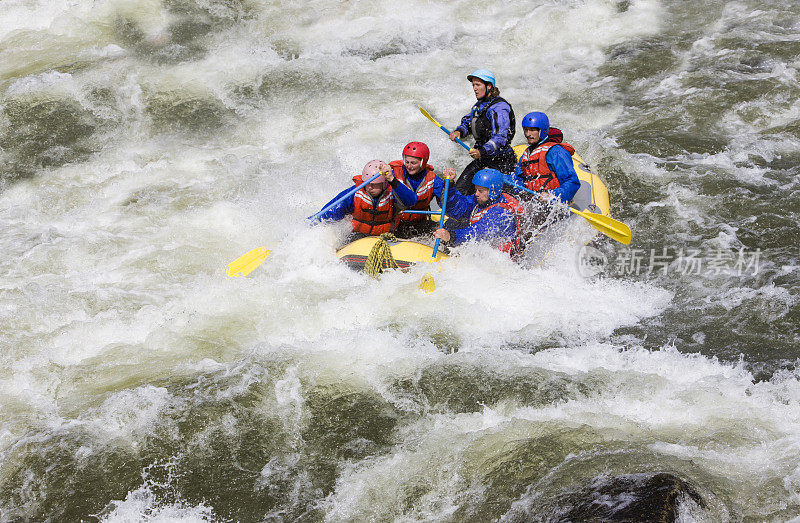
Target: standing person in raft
column 491, row 122
column 494, row 216
column 546, row 167
column 414, row 172
column 373, row 207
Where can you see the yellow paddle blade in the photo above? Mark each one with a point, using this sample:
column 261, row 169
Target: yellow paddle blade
column 429, row 117
column 427, row 284
column 245, row 264
column 607, row 225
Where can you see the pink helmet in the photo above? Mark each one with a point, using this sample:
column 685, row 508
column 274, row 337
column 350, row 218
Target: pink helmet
column 372, row 168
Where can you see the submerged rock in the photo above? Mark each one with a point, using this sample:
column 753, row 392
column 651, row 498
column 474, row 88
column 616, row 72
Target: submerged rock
column 46, row 131
column 658, row 497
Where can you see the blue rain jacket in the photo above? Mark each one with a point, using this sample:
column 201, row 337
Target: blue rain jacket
column 499, row 116
column 496, row 224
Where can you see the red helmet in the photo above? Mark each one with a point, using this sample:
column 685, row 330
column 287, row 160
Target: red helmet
column 418, row 150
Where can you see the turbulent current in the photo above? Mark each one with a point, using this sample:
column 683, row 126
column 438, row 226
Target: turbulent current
column 145, row 144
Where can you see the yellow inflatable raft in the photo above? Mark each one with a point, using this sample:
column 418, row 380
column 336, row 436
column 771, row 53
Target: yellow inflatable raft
column 404, row 252
column 592, row 196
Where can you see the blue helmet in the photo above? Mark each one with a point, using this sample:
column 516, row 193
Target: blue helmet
column 538, row 120
column 491, row 179
column 482, row 74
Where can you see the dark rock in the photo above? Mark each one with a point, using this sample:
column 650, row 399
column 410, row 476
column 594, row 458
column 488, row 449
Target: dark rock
column 630, row 497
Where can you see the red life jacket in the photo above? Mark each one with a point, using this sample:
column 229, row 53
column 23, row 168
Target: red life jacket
column 536, row 174
column 369, row 218
column 510, row 204
column 424, row 191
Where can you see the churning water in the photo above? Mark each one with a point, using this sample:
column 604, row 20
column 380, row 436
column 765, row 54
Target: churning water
column 144, row 144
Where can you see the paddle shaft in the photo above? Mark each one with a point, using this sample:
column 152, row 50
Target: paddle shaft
column 351, row 192
column 441, row 219
column 520, row 187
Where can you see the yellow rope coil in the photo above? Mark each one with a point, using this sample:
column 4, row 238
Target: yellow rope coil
column 380, row 257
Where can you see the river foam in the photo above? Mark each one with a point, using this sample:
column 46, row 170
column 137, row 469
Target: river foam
column 144, row 145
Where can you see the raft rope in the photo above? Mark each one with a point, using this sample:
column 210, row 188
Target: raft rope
column 380, row 257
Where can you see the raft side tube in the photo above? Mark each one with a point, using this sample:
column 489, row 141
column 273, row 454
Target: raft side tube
column 405, row 253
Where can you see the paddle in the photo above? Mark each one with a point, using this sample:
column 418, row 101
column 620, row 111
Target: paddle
column 441, row 218
column 442, row 127
column 609, row 226
column 247, row 263
column 427, row 284
column 349, row 193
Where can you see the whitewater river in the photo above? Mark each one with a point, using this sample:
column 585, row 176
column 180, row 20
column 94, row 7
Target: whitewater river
column 145, row 144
